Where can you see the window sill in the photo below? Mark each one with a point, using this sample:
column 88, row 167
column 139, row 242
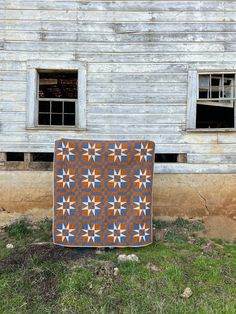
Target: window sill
column 209, row 130
column 55, row 128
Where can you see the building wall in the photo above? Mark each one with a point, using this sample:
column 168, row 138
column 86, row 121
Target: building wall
column 138, row 54
column 183, row 195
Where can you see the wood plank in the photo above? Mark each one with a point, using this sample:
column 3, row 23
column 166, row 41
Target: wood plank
column 167, row 58
column 147, row 47
column 227, row 138
column 13, row 137
column 181, row 58
column 129, row 37
column 22, row 56
column 6, row 96
column 149, row 16
column 6, row 127
column 137, row 68
column 13, row 76
column 137, row 6
column 135, row 129
column 121, row 16
column 39, row 5
column 142, row 118
column 12, row 117
column 171, row 139
column 14, row 106
column 133, row 98
column 137, row 77
column 212, row 158
column 12, row 65
column 177, row 88
column 41, row 15
column 116, row 27
column 194, row 168
column 138, row 109
column 120, row 5
column 12, row 86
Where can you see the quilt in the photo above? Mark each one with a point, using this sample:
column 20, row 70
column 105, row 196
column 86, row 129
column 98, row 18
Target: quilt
column 103, row 193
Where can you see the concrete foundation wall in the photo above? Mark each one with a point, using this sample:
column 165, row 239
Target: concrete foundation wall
column 184, row 195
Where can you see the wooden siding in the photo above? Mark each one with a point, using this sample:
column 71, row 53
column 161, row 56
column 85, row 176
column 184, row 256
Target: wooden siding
column 138, row 56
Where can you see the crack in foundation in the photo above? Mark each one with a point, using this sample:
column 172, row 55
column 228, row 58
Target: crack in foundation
column 205, row 202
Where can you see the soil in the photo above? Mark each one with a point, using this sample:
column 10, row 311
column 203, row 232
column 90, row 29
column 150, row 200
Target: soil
column 220, row 227
column 34, row 215
column 45, row 252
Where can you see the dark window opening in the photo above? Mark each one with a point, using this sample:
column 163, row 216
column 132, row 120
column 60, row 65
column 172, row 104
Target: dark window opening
column 214, row 117
column 216, row 101
column 15, row 156
column 57, row 96
column 58, row 84
column 166, row 158
column 43, row 157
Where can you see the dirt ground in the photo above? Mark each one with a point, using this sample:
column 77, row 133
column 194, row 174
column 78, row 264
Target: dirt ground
column 34, row 215
column 217, row 227
column 220, row 227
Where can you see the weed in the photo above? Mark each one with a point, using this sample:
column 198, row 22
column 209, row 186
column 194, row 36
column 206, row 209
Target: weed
column 19, row 230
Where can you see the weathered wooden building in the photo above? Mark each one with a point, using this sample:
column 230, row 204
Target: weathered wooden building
column 101, row 69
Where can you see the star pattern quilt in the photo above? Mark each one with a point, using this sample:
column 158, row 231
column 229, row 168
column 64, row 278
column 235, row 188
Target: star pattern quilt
column 103, row 193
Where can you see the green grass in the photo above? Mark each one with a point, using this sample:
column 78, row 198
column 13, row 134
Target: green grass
column 33, row 280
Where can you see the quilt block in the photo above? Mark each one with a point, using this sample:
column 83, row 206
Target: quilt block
column 103, row 193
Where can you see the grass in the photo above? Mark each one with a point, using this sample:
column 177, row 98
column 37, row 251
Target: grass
column 51, row 279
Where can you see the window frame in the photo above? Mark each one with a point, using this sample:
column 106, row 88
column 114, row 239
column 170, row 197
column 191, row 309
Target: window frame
column 193, row 96
column 33, row 68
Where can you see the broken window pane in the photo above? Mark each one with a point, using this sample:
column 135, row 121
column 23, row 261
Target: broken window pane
column 216, row 100
column 215, row 117
column 204, row 86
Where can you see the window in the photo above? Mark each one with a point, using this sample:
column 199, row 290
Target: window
column 56, row 95
column 211, row 100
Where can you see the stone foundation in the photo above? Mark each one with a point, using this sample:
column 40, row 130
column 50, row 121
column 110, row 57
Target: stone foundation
column 182, row 195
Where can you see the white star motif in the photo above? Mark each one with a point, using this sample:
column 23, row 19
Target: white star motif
column 91, row 151
column 117, row 232
column 91, row 178
column 141, row 177
column 142, row 205
column 143, row 152
column 65, row 232
column 66, row 205
column 66, row 178
column 65, row 151
column 141, row 232
column 91, row 205
column 117, row 152
column 117, row 178
column 117, row 205
column 91, row 233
